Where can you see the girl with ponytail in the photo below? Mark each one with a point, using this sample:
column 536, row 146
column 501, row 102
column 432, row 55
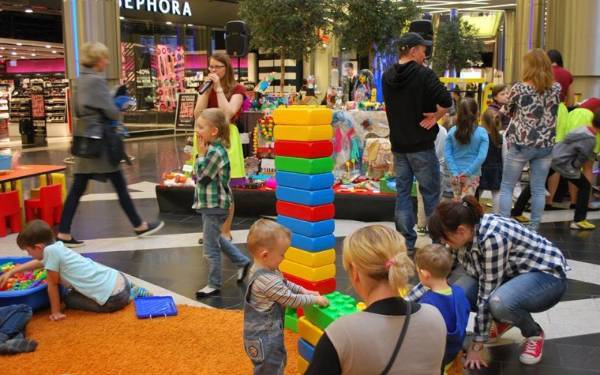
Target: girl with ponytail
column 509, row 272
column 378, row 266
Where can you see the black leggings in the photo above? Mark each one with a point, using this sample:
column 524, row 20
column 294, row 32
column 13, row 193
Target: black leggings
column 78, row 188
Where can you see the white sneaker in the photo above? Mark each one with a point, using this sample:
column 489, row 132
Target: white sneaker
column 207, row 291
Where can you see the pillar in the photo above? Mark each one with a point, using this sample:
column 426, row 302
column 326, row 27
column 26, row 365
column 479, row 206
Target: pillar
column 525, row 30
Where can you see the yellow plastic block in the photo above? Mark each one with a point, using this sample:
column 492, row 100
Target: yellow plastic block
column 361, row 306
column 302, row 365
column 309, row 258
column 57, row 178
column 303, row 133
column 308, row 331
column 302, row 115
column 308, row 273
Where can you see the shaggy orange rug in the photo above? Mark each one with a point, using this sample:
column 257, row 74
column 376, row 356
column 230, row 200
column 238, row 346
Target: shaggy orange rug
column 197, row 341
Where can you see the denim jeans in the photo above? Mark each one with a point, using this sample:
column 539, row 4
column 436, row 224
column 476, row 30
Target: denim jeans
column 425, row 166
column 214, row 243
column 13, row 319
column 515, row 300
column 539, row 164
column 77, row 301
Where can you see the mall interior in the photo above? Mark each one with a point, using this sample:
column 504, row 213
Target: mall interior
column 312, row 138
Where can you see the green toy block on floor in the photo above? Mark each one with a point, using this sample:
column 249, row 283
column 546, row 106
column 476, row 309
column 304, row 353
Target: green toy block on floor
column 302, row 165
column 291, row 319
column 339, row 305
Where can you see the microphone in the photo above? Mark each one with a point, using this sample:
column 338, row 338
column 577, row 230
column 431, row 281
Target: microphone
column 205, row 86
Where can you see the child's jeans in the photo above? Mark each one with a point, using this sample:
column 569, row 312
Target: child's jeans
column 214, row 243
column 77, row 301
column 13, row 320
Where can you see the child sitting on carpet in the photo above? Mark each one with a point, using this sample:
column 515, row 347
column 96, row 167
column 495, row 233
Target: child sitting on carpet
column 93, row 286
column 267, row 296
column 434, row 263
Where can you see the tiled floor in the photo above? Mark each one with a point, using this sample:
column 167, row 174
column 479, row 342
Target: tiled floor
column 172, row 261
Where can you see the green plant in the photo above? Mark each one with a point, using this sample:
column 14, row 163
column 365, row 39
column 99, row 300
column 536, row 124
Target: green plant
column 456, row 46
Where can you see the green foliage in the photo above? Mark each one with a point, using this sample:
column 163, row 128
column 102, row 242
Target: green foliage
column 456, row 45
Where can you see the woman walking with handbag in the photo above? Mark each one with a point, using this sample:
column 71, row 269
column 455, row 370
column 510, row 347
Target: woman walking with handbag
column 96, row 115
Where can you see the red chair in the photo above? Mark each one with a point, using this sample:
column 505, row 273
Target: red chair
column 10, row 209
column 47, row 207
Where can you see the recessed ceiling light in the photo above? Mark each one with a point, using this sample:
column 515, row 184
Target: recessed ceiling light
column 189, row 24
column 28, row 10
column 22, row 57
column 33, row 54
column 121, row 18
column 47, row 46
column 169, row 23
column 53, row 51
column 14, row 48
column 19, row 44
column 13, row 53
column 2, row 48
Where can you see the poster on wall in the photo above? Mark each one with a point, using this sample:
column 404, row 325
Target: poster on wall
column 184, row 118
column 37, row 106
column 170, row 76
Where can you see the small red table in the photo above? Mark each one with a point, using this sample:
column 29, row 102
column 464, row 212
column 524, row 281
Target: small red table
column 26, row 171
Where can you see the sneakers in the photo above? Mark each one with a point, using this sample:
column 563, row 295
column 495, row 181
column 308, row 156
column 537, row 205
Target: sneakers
column 532, row 350
column 242, row 272
column 207, row 291
column 497, row 330
column 152, row 228
column 582, row 225
column 72, row 243
column 521, row 219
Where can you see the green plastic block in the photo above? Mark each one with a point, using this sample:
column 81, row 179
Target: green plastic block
column 291, row 320
column 302, row 165
column 339, row 305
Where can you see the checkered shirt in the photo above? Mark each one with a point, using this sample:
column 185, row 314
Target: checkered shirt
column 212, row 184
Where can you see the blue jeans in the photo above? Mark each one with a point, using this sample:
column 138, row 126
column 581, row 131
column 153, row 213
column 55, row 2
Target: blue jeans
column 13, row 319
column 425, row 166
column 539, row 160
column 515, row 300
column 77, row 301
column 214, row 243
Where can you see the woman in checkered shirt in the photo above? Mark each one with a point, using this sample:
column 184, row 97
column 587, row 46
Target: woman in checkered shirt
column 508, row 272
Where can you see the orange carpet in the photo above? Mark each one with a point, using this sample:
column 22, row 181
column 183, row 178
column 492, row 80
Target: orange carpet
column 197, row 341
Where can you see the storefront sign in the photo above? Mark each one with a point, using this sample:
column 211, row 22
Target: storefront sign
column 184, row 119
column 174, row 7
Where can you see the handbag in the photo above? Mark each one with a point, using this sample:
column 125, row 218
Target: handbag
column 86, row 147
column 114, row 146
column 400, row 340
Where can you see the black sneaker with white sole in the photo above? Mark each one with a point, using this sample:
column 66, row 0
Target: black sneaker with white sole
column 72, row 243
column 152, row 228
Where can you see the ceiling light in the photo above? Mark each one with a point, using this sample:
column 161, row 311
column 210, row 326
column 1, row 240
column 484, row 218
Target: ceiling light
column 169, row 23
column 33, row 54
column 22, row 57
column 47, row 46
column 121, row 18
column 13, row 53
column 53, row 51
column 19, row 44
column 189, row 24
column 2, row 48
column 28, row 10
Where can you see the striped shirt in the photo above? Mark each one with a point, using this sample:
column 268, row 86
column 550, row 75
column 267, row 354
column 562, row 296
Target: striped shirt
column 270, row 287
column 212, row 179
column 501, row 250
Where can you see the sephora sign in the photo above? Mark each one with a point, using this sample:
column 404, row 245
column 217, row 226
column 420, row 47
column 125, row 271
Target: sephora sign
column 173, row 7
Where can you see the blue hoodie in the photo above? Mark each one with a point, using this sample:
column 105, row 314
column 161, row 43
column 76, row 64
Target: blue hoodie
column 455, row 309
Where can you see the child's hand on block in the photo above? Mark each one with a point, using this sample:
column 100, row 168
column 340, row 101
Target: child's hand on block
column 322, row 301
column 57, row 316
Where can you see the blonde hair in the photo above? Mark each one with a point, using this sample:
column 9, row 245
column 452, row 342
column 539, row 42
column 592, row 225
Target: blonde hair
column 379, row 253
column 264, row 233
column 537, row 69
column 216, row 117
column 91, row 53
column 436, row 259
column 228, row 81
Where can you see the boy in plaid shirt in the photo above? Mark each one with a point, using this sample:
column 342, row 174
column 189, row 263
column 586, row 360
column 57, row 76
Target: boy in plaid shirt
column 213, row 197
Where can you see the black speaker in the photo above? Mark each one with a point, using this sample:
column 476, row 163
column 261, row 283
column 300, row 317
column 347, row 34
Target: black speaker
column 236, row 38
column 425, row 29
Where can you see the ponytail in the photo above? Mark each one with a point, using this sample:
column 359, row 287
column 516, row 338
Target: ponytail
column 400, row 269
column 466, row 119
column 448, row 216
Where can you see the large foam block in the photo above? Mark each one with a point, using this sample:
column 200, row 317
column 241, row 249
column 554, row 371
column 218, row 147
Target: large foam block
column 305, row 181
column 307, row 228
column 305, row 350
column 339, row 305
column 311, row 150
column 310, row 259
column 303, row 133
column 306, row 197
column 323, row 286
column 291, row 320
column 302, row 365
column 302, row 115
column 304, row 212
column 308, row 331
column 313, row 244
column 308, row 273
column 303, row 165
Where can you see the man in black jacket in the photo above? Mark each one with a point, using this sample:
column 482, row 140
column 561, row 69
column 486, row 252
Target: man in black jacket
column 415, row 100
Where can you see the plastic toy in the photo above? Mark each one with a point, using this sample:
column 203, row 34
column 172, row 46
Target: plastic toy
column 24, row 280
column 310, row 198
column 303, row 212
column 311, row 150
column 339, row 305
column 47, row 207
column 363, row 86
column 305, row 181
column 361, row 306
column 323, row 286
column 308, row 331
column 313, row 244
column 310, row 259
column 302, row 165
column 291, row 320
column 10, row 211
column 308, row 273
column 303, row 115
column 303, row 133
column 302, row 365
column 155, row 306
column 307, row 228
column 305, row 350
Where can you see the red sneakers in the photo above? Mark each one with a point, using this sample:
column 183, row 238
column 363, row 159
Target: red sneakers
column 532, row 350
column 497, row 330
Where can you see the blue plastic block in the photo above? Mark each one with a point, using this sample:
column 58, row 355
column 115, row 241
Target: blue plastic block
column 155, row 306
column 305, row 350
column 305, row 181
column 306, row 197
column 307, row 228
column 313, row 244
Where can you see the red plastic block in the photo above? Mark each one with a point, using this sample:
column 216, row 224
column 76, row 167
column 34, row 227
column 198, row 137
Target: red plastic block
column 300, row 312
column 307, row 213
column 324, row 286
column 309, row 150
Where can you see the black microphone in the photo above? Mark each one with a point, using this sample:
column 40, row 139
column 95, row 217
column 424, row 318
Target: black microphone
column 205, row 86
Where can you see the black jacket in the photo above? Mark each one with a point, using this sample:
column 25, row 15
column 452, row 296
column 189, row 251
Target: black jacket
column 409, row 90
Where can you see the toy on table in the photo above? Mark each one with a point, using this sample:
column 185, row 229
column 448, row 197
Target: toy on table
column 22, row 280
column 177, row 179
column 262, row 139
column 363, row 86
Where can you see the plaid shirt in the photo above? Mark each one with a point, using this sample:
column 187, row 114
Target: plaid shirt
column 501, row 250
column 212, row 183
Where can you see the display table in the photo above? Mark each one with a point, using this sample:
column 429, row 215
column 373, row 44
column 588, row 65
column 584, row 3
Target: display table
column 26, row 171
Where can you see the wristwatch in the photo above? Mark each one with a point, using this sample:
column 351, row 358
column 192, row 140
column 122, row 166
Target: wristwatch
column 477, row 346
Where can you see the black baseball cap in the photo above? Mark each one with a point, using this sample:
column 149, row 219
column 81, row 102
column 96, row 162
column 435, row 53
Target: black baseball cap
column 409, row 40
